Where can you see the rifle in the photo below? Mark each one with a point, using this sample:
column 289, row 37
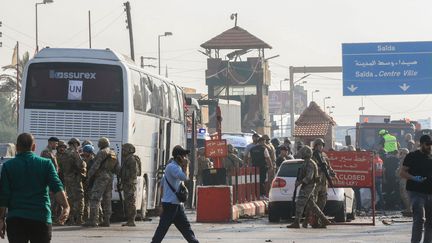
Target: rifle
column 295, row 188
column 119, row 190
column 323, row 168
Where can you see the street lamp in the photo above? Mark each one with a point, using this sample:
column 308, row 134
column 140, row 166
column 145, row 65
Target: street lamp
column 325, row 98
column 36, row 15
column 330, row 108
column 281, row 104
column 314, row 91
column 292, row 108
column 159, row 36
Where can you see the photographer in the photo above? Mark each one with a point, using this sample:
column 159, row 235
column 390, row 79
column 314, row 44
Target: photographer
column 176, row 172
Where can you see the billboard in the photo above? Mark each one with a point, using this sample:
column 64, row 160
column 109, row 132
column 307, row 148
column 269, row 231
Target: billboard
column 279, row 101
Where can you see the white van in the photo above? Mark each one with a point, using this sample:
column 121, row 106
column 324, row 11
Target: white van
column 239, row 141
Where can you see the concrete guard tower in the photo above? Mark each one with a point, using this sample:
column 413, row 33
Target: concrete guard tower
column 230, row 77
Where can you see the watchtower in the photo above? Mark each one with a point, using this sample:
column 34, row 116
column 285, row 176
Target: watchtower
column 230, row 77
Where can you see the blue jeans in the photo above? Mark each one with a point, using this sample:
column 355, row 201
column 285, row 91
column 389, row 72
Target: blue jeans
column 421, row 207
column 174, row 213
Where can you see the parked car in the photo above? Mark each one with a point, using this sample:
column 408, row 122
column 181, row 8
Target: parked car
column 340, row 203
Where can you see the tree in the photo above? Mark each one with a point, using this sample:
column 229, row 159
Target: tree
column 8, row 97
column 8, row 79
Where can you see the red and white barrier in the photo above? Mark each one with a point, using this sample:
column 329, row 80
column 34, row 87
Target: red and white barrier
column 229, row 202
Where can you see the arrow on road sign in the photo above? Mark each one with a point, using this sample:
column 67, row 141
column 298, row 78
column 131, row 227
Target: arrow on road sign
column 404, row 87
column 353, row 88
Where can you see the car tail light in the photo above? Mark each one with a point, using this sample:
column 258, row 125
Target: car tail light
column 278, row 182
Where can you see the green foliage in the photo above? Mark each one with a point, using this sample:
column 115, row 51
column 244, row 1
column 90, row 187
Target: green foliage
column 8, row 125
column 8, row 91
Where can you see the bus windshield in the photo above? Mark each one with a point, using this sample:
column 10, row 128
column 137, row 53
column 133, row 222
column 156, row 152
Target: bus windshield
column 74, row 86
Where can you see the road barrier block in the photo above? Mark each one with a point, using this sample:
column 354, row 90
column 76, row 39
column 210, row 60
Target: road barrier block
column 214, row 204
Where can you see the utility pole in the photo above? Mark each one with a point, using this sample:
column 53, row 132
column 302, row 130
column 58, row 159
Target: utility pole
column 129, row 26
column 89, row 21
column 1, row 43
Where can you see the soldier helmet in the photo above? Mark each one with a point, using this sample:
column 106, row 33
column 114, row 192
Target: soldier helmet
column 129, row 148
column 230, row 148
column 103, row 142
column 319, row 141
column 74, row 141
column 305, row 152
column 53, row 139
column 61, row 143
column 88, row 149
column 201, row 151
column 86, row 142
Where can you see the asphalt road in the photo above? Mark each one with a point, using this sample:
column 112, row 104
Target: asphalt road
column 246, row 230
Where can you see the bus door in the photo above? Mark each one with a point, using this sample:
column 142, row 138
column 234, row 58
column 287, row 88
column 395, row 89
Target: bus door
column 164, row 141
column 168, row 140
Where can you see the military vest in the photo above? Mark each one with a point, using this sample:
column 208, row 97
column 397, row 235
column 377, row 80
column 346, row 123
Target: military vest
column 257, row 156
column 110, row 163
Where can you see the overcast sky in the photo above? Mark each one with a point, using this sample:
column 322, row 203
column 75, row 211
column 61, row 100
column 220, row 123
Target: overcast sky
column 302, row 32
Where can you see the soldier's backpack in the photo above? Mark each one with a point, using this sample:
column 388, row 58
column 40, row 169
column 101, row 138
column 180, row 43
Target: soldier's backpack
column 138, row 164
column 111, row 161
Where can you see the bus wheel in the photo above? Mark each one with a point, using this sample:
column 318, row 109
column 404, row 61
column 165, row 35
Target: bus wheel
column 143, row 211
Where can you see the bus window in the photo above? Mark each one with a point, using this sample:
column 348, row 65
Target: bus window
column 148, row 88
column 74, row 86
column 165, row 100
column 174, row 103
column 156, row 97
column 137, row 91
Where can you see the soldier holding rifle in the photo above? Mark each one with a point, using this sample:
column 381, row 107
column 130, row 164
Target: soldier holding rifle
column 307, row 178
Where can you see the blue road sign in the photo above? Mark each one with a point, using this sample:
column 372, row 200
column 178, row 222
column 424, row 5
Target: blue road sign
column 387, row 68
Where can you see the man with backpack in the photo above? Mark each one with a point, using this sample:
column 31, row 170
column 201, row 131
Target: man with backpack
column 176, row 172
column 130, row 170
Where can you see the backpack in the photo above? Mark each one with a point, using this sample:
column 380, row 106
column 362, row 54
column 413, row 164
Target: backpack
column 111, row 161
column 138, row 164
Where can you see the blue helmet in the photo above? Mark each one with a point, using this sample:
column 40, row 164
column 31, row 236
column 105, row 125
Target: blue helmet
column 88, row 149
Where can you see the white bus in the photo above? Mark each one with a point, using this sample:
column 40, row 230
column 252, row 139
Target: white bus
column 89, row 93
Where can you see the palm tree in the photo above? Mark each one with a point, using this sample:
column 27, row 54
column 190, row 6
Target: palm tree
column 8, row 80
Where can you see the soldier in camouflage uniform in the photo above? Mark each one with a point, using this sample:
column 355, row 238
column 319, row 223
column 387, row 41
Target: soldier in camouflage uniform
column 323, row 164
column 232, row 161
column 130, row 170
column 73, row 169
column 203, row 163
column 49, row 153
column 101, row 176
column 307, row 179
column 88, row 156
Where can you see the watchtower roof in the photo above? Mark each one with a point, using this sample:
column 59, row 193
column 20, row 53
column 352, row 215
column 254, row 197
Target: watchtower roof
column 235, row 38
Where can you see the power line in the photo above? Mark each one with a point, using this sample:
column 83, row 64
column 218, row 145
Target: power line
column 74, row 36
column 21, row 42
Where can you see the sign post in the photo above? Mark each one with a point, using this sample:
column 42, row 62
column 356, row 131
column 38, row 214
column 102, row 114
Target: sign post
column 355, row 170
column 387, row 68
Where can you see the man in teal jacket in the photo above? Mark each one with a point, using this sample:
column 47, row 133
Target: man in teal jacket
column 24, row 190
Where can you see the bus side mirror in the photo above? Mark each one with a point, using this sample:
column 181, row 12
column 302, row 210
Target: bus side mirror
column 347, row 140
